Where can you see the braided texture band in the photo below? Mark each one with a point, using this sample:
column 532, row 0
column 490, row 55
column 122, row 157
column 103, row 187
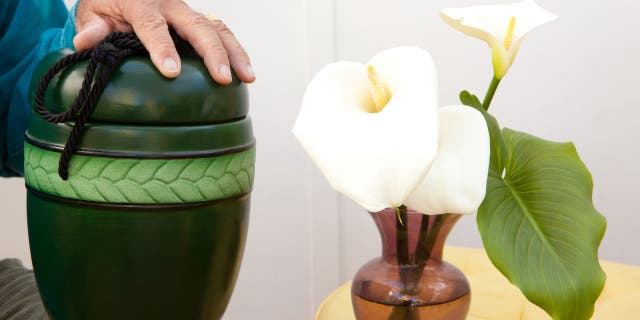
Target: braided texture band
column 141, row 181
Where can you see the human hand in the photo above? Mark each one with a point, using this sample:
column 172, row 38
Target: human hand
column 150, row 20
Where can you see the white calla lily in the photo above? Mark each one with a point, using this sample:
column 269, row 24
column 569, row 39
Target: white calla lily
column 457, row 180
column 502, row 26
column 373, row 130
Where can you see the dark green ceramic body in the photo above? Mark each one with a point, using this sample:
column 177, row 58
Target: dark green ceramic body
column 152, row 222
column 105, row 263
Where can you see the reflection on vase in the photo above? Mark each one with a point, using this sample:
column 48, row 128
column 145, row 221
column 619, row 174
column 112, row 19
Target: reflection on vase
column 410, row 281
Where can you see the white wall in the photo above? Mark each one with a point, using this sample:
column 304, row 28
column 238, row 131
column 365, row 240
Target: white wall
column 573, row 80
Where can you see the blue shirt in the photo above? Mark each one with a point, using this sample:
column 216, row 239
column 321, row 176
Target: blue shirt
column 29, row 29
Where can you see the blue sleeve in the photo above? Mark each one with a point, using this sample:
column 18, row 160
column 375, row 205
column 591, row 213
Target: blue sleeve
column 29, row 29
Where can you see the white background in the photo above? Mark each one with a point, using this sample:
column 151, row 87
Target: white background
column 575, row 79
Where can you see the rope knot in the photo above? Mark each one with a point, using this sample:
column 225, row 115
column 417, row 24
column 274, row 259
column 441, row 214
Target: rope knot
column 106, row 53
column 110, row 52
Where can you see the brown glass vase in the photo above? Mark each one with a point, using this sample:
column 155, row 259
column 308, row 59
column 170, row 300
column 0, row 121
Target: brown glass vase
column 411, row 281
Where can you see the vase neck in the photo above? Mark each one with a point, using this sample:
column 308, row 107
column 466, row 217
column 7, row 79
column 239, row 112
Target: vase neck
column 417, row 239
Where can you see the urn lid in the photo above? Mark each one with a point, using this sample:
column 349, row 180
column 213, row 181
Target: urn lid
column 139, row 94
column 142, row 114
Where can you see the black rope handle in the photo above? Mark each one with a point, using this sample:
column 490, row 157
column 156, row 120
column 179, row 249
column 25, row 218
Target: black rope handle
column 111, row 51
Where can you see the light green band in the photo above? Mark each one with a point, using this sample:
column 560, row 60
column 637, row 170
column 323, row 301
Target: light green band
column 141, row 181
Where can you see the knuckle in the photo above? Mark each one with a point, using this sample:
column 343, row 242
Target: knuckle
column 239, row 50
column 199, row 20
column 161, row 45
column 218, row 49
column 217, row 53
column 205, row 45
column 182, row 3
column 222, row 28
column 153, row 22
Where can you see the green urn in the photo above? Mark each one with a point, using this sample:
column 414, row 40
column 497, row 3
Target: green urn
column 152, row 220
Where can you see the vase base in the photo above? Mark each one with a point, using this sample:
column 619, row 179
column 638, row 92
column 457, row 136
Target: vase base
column 452, row 310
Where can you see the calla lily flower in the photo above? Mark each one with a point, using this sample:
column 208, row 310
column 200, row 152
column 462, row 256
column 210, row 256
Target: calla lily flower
column 457, row 180
column 375, row 131
column 502, row 26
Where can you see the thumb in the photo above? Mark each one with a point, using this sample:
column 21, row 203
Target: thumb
column 90, row 34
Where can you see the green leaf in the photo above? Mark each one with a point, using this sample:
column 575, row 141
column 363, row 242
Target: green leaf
column 539, row 225
column 469, row 99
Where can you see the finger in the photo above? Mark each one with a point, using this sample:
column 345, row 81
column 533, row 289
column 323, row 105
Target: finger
column 94, row 22
column 237, row 55
column 89, row 34
column 200, row 33
column 153, row 31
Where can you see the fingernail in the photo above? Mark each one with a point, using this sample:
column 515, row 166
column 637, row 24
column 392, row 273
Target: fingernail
column 250, row 71
column 170, row 65
column 224, row 71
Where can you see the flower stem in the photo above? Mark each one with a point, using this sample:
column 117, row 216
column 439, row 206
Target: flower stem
column 426, row 241
column 411, row 268
column 428, row 237
column 490, row 93
column 406, row 267
column 402, row 238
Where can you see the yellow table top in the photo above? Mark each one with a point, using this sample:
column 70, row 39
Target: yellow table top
column 494, row 298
